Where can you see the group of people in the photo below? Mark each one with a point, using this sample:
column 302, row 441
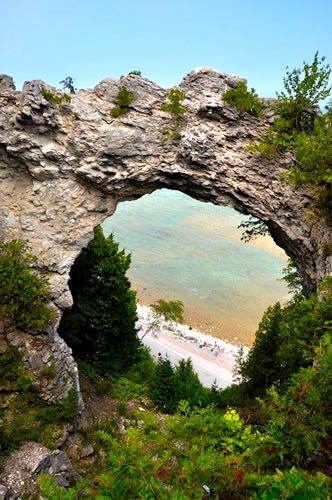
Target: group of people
column 215, row 349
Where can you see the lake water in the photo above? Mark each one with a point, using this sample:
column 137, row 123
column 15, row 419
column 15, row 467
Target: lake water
column 187, row 250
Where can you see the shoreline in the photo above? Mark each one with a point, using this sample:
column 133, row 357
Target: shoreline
column 230, row 330
column 185, row 333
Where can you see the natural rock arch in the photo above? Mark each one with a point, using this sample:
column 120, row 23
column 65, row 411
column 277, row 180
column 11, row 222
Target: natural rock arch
column 64, row 168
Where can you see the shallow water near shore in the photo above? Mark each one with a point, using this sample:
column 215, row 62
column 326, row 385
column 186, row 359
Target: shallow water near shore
column 192, row 251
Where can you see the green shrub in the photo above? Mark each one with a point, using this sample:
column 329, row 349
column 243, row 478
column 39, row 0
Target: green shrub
column 54, row 98
column 294, row 484
column 243, row 99
column 195, row 454
column 304, row 88
column 234, row 396
column 126, row 389
column 170, row 134
column 135, row 72
column 142, row 371
column 23, row 291
column 174, row 104
column 175, row 107
column 123, row 101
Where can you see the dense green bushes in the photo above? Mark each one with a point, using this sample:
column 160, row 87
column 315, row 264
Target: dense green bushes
column 198, row 454
column 170, row 385
column 100, row 327
column 23, row 290
column 300, row 418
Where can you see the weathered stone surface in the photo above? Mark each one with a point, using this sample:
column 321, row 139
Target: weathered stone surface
column 64, row 168
column 22, row 468
column 3, row 491
column 48, row 359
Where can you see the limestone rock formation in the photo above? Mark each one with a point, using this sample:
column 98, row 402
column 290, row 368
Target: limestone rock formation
column 65, row 167
column 22, row 468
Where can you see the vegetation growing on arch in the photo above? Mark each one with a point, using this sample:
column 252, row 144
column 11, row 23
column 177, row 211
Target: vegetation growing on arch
column 135, row 72
column 123, row 101
column 175, row 107
column 174, row 104
column 302, row 129
column 243, row 99
column 55, row 98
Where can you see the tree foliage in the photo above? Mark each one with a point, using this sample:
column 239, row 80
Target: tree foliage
column 68, row 85
column 24, row 293
column 170, row 310
column 252, row 228
column 135, row 72
column 286, row 341
column 262, row 367
column 170, row 386
column 304, row 87
column 300, row 419
column 100, row 327
column 243, row 99
column 301, row 128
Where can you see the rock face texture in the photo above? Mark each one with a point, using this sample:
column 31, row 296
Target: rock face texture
column 64, row 167
column 22, row 468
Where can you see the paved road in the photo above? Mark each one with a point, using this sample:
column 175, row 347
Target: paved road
column 208, row 370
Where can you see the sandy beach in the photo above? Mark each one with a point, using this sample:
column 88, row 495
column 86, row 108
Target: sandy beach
column 213, row 350
column 205, row 321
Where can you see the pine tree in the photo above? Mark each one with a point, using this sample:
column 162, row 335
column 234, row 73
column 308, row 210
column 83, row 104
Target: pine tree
column 162, row 386
column 262, row 367
column 100, row 327
column 187, row 384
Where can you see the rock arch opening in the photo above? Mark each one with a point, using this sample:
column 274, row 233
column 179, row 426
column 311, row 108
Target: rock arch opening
column 187, row 250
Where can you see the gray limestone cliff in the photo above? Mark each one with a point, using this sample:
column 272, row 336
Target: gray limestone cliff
column 65, row 167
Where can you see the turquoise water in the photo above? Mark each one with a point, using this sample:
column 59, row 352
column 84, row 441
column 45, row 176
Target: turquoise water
column 188, row 250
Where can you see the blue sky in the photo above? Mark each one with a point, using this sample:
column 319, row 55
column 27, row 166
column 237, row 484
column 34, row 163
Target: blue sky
column 51, row 39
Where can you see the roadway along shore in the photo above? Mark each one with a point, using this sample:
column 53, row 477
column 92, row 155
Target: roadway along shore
column 212, row 358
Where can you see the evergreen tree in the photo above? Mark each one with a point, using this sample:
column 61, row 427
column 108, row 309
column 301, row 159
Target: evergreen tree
column 261, row 368
column 187, row 385
column 162, row 386
column 100, row 327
